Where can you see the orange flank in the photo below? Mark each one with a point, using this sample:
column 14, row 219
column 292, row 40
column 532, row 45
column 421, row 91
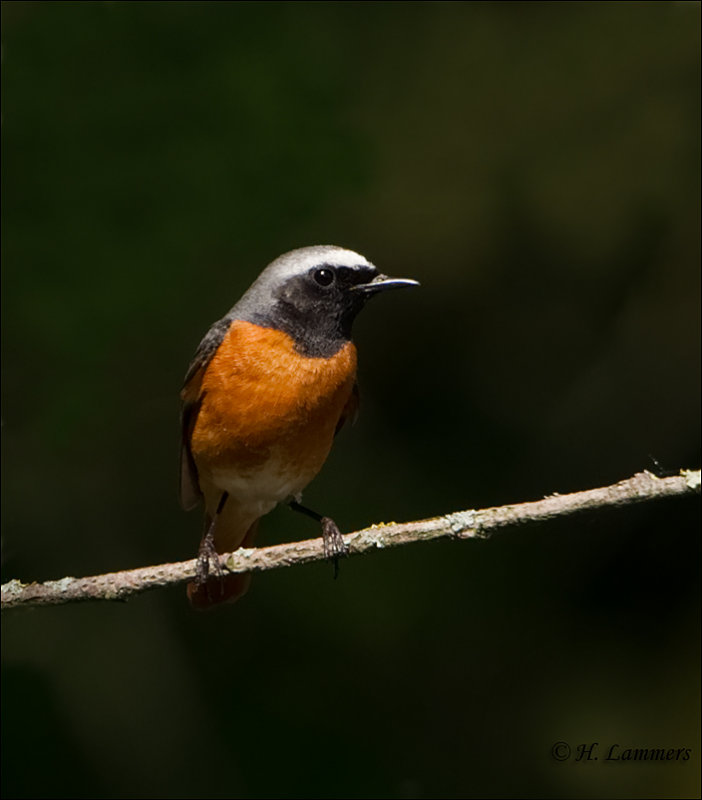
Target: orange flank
column 261, row 399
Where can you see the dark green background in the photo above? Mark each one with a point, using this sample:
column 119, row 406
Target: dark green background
column 536, row 167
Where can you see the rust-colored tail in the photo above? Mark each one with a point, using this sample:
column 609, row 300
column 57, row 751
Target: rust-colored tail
column 218, row 590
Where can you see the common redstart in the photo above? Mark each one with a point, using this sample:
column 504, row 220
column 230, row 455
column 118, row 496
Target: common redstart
column 270, row 385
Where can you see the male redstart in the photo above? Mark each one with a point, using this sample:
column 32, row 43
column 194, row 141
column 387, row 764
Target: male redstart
column 270, row 385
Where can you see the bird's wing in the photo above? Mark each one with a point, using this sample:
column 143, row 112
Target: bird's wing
column 191, row 397
column 350, row 412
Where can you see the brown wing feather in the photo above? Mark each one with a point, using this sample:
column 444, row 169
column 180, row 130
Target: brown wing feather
column 190, row 492
column 191, row 397
column 350, row 412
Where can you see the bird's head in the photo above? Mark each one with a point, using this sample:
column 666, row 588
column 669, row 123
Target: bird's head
column 314, row 294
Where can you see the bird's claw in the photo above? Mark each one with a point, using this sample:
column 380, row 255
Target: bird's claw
column 334, row 545
column 208, row 561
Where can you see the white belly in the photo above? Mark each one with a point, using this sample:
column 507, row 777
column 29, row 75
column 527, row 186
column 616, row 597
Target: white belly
column 260, row 489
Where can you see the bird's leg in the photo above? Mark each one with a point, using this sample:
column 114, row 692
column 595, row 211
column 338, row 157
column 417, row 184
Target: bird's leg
column 207, row 556
column 334, row 545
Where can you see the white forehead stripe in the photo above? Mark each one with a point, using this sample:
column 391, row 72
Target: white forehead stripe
column 298, row 261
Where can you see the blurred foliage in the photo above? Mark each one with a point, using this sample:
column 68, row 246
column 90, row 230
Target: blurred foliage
column 536, row 166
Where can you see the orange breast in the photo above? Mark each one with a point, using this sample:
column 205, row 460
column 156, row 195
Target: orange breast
column 263, row 403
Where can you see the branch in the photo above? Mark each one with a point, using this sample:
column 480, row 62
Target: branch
column 459, row 525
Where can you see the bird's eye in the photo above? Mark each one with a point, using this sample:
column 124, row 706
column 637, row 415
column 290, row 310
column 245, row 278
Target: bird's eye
column 324, row 276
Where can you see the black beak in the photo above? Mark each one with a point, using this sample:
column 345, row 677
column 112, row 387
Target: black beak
column 382, row 282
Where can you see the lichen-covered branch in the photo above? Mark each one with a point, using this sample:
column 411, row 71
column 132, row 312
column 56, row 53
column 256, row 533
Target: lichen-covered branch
column 460, row 525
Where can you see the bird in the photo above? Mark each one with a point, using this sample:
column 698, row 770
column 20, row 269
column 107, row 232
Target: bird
column 269, row 387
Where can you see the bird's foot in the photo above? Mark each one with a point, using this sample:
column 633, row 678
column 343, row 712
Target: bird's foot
column 334, row 545
column 208, row 561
